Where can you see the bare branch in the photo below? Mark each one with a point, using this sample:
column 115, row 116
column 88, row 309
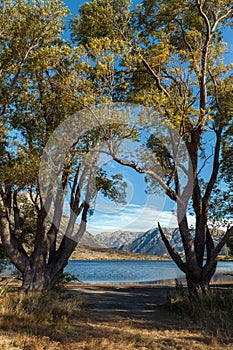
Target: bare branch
column 173, row 253
column 155, row 176
column 221, row 18
column 204, row 163
column 223, row 241
column 216, row 165
column 206, row 19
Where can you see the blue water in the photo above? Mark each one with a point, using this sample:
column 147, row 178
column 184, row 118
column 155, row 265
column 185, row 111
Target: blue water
column 123, row 270
column 131, row 271
column 100, row 271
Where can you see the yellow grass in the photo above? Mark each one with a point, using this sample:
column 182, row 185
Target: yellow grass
column 55, row 321
column 122, row 336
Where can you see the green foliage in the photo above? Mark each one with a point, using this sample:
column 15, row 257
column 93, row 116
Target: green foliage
column 161, row 152
column 63, row 280
column 29, row 29
column 113, row 187
column 108, row 16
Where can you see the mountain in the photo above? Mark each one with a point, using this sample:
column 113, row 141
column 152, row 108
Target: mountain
column 90, row 241
column 149, row 242
column 117, row 239
column 87, row 239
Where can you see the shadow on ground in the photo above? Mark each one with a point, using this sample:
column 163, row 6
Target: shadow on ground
column 140, row 304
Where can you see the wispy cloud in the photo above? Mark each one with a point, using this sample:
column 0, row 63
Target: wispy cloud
column 133, row 218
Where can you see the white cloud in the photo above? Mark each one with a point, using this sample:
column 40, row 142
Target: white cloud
column 133, row 218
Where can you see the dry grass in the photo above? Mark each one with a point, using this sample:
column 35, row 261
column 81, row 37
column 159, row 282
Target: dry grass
column 54, row 321
column 83, row 252
column 212, row 312
column 121, row 336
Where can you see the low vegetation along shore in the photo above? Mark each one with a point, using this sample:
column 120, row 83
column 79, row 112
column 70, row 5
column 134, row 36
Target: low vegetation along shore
column 111, row 317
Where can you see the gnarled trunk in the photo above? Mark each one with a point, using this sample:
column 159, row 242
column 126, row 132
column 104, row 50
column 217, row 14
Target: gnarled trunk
column 37, row 280
column 200, row 285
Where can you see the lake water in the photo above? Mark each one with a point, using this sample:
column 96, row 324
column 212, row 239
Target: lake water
column 100, row 271
column 135, row 271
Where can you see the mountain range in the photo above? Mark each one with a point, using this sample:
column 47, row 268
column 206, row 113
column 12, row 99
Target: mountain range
column 117, row 239
column 149, row 242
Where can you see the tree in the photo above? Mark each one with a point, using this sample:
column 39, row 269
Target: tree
column 45, row 81
column 169, row 57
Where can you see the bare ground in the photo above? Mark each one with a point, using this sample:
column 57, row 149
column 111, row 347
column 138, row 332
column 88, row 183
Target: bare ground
column 138, row 303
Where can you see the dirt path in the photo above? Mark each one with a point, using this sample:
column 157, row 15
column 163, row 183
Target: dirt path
column 138, row 303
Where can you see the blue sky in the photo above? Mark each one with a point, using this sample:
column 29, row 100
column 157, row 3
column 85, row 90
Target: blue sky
column 142, row 211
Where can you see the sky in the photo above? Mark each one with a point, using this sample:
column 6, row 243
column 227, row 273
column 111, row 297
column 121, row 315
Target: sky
column 142, row 211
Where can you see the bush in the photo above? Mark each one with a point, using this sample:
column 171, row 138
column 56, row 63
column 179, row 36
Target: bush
column 65, row 278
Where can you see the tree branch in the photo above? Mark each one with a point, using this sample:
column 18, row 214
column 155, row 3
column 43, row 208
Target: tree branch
column 168, row 190
column 183, row 35
column 14, row 248
column 209, row 245
column 217, row 20
column 173, row 253
column 223, row 241
column 216, row 165
column 155, row 76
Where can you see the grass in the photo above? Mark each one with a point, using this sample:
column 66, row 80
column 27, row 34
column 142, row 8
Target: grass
column 212, row 312
column 60, row 320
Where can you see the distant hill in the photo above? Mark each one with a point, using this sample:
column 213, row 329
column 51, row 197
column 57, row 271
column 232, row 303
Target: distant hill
column 83, row 252
column 149, row 242
column 89, row 240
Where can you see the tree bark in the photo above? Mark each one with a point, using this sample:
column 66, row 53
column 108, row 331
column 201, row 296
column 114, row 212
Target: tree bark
column 198, row 287
column 38, row 280
column 12, row 245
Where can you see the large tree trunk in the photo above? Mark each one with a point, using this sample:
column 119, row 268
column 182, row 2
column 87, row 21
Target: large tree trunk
column 37, row 273
column 201, row 285
column 37, row 280
column 197, row 287
column 42, row 275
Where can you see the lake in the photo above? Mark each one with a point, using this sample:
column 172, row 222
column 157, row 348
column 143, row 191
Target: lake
column 135, row 271
column 109, row 271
